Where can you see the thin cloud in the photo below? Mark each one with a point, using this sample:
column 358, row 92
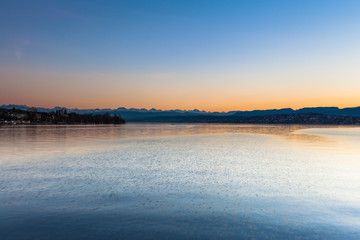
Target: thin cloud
column 19, row 46
column 25, row 42
column 67, row 14
column 18, row 55
column 161, row 75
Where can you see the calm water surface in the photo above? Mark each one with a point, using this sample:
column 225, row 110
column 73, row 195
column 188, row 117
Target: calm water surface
column 163, row 181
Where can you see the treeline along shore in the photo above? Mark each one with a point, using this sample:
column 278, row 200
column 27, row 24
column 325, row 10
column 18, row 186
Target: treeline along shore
column 307, row 119
column 32, row 116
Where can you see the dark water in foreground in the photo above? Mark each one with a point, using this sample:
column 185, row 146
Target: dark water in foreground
column 179, row 181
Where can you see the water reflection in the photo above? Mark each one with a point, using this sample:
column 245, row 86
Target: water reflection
column 59, row 138
column 154, row 181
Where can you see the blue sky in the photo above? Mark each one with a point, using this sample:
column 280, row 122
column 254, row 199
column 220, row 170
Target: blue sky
column 249, row 54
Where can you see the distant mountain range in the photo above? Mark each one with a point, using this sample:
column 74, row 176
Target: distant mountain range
column 155, row 115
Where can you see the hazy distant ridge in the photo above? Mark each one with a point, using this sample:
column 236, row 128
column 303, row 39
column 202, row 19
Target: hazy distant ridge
column 355, row 111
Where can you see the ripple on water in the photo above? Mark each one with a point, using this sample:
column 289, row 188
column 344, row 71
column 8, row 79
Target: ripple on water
column 176, row 183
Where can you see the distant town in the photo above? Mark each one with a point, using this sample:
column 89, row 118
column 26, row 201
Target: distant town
column 32, row 116
column 13, row 114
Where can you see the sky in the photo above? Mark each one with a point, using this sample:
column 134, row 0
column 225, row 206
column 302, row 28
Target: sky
column 207, row 55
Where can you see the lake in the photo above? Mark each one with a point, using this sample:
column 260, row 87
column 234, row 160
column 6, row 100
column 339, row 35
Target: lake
column 164, row 181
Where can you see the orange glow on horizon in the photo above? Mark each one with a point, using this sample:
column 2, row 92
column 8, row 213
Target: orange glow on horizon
column 44, row 88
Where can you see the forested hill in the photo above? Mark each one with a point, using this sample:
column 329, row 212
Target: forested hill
column 32, row 116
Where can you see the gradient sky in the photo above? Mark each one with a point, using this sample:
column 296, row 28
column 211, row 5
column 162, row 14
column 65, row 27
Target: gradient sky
column 209, row 55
